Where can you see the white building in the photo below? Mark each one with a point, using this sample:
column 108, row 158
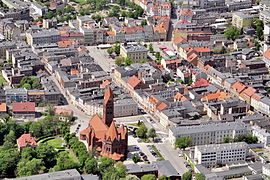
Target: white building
column 209, row 133
column 266, row 169
column 262, row 135
column 221, row 154
column 125, row 107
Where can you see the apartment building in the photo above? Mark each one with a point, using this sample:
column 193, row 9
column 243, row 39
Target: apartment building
column 43, row 37
column 136, row 52
column 125, row 107
column 220, row 154
column 241, row 20
column 208, row 133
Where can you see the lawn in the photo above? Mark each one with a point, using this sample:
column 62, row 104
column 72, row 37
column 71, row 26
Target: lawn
column 2, row 80
column 160, row 158
column 57, row 142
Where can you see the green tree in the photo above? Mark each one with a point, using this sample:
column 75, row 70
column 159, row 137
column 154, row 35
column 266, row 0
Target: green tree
column 199, row 176
column 128, row 61
column 141, row 131
column 150, row 48
column 257, row 45
column 28, row 153
column 143, row 22
column 223, row 50
column 8, row 161
column 227, row 139
column 121, row 169
column 232, row 33
column 132, row 177
column 158, row 56
column 47, row 154
column 259, row 26
column 110, row 174
column 116, row 48
column 35, row 129
column 10, row 137
column 32, row 167
column 163, row 178
column 5, row 118
column 187, row 176
column 105, row 163
column 36, row 83
column 248, row 138
column 27, row 86
column 152, row 133
column 110, row 51
column 149, row 177
column 182, row 142
column 91, row 166
column 64, row 162
column 119, row 61
column 135, row 158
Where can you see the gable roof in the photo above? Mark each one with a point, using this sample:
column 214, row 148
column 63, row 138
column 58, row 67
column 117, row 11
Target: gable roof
column 3, row 107
column 238, row 86
column 218, row 95
column 267, row 53
column 249, row 91
column 98, row 124
column 200, row 83
column 162, row 106
column 180, row 97
column 26, row 139
column 23, row 107
column 134, row 81
column 112, row 132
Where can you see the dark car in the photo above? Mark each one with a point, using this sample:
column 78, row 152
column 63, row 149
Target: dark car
column 141, row 154
column 145, row 158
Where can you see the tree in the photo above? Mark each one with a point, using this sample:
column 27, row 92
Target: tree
column 158, row 56
column 105, row 163
column 187, row 176
column 116, row 48
column 149, row 177
column 91, row 166
column 128, row 61
column 150, row 48
column 141, row 131
column 232, row 33
column 132, row 177
column 10, row 137
column 227, row 139
column 28, row 168
column 110, row 51
column 259, row 28
column 182, row 142
column 36, row 83
column 135, row 158
column 257, row 45
column 64, row 162
column 35, row 129
column 248, row 138
column 163, row 178
column 27, row 86
column 121, row 169
column 47, row 154
column 110, row 174
column 28, row 153
column 223, row 50
column 8, row 161
column 119, row 61
column 199, row 176
column 5, row 118
column 143, row 22
column 152, row 133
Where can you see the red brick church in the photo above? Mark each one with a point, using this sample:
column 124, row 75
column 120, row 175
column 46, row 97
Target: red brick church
column 103, row 134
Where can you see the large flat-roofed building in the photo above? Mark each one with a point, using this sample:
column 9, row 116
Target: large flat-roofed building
column 125, row 107
column 135, row 51
column 209, row 133
column 220, row 154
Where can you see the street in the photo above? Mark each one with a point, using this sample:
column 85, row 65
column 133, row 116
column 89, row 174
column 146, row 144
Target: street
column 169, row 153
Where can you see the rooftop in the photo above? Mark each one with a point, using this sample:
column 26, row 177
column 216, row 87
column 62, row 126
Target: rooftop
column 221, row 147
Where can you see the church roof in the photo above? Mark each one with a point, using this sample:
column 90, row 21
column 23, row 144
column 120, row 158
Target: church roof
column 98, row 126
column 108, row 95
column 112, row 132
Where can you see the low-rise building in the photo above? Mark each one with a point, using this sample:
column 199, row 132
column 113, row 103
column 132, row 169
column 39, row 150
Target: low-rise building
column 26, row 140
column 136, row 52
column 23, row 109
column 43, row 37
column 220, row 154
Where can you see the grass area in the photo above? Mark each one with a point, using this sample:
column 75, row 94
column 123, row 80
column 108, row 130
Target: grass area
column 2, row 80
column 56, row 142
column 257, row 150
column 134, row 124
column 160, row 157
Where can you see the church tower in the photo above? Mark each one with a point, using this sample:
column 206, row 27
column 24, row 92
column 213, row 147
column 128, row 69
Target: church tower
column 108, row 107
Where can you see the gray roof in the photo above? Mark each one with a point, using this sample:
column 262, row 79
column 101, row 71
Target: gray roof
column 208, row 128
column 221, row 147
column 134, row 47
column 63, row 175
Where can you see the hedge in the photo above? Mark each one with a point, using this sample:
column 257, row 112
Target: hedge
column 42, row 137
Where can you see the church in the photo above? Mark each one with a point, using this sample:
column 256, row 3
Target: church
column 102, row 133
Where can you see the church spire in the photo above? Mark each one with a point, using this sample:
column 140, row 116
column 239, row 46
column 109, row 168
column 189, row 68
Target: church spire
column 108, row 107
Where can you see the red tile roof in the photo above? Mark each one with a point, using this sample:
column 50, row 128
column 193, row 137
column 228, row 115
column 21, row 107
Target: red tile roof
column 267, row 53
column 26, row 140
column 238, row 86
column 112, row 132
column 249, row 91
column 134, row 81
column 23, row 107
column 200, row 83
column 3, row 107
column 162, row 106
column 108, row 95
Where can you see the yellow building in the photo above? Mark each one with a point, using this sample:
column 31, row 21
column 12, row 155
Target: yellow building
column 241, row 20
column 135, row 51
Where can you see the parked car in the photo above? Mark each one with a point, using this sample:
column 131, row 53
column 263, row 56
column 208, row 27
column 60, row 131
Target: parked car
column 145, row 158
column 139, row 140
column 141, row 154
column 136, row 148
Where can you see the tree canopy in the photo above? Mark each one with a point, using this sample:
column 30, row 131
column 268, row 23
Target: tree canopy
column 182, row 142
column 232, row 33
column 187, row 176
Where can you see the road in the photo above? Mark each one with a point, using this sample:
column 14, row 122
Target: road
column 169, row 153
column 101, row 57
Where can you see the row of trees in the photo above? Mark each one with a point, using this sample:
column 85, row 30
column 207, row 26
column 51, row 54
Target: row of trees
column 248, row 138
column 143, row 132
